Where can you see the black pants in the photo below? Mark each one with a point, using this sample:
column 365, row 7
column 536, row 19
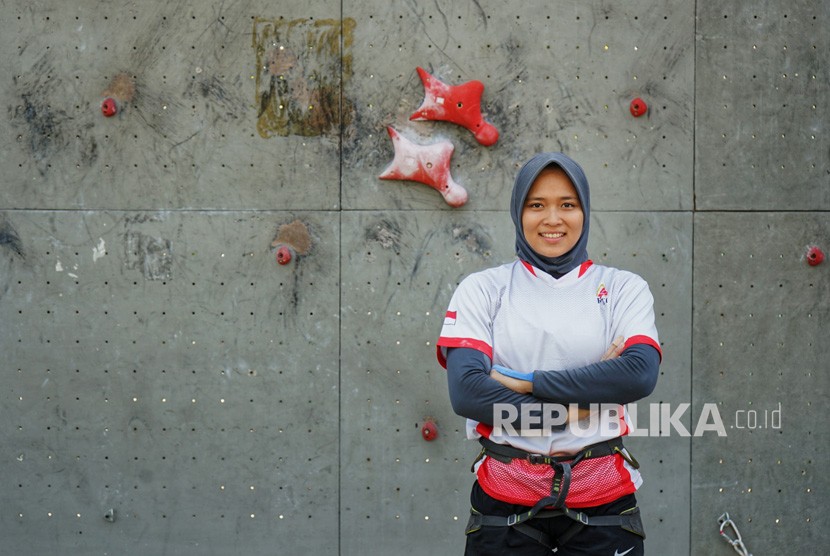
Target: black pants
column 589, row 541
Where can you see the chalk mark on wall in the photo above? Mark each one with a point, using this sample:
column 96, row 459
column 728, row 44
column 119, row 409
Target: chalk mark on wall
column 10, row 239
column 151, row 255
column 46, row 130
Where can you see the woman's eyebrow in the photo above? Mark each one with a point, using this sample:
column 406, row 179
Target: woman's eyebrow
column 563, row 198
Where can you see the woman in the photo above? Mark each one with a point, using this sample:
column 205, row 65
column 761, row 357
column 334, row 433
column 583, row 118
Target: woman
column 547, row 328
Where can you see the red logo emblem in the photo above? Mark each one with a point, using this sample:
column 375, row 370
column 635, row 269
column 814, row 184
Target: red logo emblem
column 602, row 295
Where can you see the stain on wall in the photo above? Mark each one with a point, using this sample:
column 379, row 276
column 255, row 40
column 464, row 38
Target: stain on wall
column 48, row 125
column 9, row 239
column 150, row 255
column 299, row 72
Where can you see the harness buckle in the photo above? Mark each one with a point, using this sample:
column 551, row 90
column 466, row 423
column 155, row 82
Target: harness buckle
column 627, row 457
column 539, row 459
column 512, row 520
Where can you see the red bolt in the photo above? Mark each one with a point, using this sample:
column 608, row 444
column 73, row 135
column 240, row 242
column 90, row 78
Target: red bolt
column 638, row 107
column 429, row 431
column 283, row 254
column 814, row 256
column 109, row 107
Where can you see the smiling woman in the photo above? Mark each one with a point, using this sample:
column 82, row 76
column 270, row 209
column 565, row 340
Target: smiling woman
column 535, row 331
column 552, row 216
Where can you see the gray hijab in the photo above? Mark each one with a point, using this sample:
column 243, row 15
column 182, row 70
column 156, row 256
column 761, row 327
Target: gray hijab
column 555, row 266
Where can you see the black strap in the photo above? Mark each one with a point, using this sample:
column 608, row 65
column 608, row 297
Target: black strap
column 505, row 453
column 477, row 521
column 539, row 536
column 629, row 520
column 570, row 533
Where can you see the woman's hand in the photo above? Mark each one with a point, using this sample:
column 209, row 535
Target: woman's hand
column 526, row 386
column 615, row 349
column 519, row 386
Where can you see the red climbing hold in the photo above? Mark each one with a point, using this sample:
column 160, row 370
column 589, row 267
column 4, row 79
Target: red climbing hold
column 109, row 107
column 459, row 104
column 283, row 254
column 429, row 431
column 814, row 256
column 638, row 107
column 427, row 164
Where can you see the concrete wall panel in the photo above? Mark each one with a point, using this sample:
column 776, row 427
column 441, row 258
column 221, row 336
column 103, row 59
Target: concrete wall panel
column 194, row 80
column 183, row 381
column 400, row 268
column 762, row 107
column 760, row 319
column 557, row 77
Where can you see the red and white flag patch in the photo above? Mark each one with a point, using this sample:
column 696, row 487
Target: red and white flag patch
column 450, row 318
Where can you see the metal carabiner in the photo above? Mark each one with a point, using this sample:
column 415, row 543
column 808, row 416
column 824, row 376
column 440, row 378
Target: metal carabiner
column 737, row 543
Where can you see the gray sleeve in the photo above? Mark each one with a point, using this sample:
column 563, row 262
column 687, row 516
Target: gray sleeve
column 473, row 393
column 625, row 379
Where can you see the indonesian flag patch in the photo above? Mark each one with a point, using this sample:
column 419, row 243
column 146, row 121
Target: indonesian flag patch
column 450, row 318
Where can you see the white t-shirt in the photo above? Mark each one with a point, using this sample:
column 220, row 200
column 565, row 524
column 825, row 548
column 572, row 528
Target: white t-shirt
column 526, row 320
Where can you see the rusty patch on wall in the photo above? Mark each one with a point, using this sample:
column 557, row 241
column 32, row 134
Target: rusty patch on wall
column 299, row 67
column 121, row 88
column 294, row 234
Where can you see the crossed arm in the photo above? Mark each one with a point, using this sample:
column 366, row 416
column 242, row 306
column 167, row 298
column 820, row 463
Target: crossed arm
column 620, row 377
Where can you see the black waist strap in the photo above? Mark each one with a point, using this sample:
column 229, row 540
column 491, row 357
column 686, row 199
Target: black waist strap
column 505, row 453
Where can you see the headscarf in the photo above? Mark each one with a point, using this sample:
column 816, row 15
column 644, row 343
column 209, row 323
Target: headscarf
column 555, row 266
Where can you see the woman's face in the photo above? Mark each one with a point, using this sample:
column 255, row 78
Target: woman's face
column 552, row 214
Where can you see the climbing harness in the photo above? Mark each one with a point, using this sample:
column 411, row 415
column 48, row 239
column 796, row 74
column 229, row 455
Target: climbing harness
column 735, row 540
column 554, row 505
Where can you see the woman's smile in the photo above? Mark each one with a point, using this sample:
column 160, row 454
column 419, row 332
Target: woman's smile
column 552, row 216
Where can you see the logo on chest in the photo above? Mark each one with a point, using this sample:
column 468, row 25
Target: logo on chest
column 602, row 295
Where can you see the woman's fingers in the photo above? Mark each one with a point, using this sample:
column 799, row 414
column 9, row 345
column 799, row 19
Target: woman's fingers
column 520, row 386
column 615, row 349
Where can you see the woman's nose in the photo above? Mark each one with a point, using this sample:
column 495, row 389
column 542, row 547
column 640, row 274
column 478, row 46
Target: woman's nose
column 552, row 216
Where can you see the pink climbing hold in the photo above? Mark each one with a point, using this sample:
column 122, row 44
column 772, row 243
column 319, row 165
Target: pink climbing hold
column 638, row 107
column 815, row 256
column 284, row 254
column 459, row 104
column 109, row 107
column 427, row 164
column 429, row 431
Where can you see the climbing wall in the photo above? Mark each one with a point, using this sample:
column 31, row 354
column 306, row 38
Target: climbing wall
column 760, row 310
column 173, row 388
column 149, row 363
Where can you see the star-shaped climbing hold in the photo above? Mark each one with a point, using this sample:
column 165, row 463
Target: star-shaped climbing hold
column 427, row 164
column 459, row 104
